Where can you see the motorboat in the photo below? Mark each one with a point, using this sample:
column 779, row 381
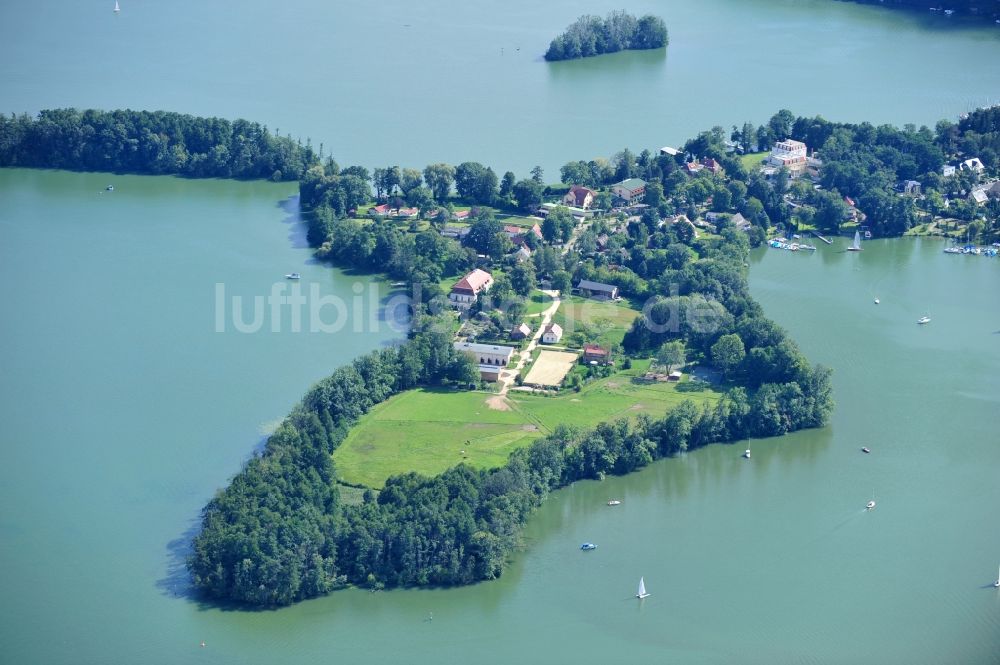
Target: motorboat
column 866, row 449
column 109, row 188
column 877, row 301
column 293, row 275
column 614, row 502
column 924, row 319
column 856, row 245
column 588, row 546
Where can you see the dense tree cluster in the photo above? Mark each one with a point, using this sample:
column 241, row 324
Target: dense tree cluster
column 156, row 143
column 278, row 533
column 592, row 35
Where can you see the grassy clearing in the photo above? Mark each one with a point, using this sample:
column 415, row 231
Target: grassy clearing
column 538, row 303
column 752, row 161
column 427, row 430
column 515, row 220
column 603, row 322
column 616, row 396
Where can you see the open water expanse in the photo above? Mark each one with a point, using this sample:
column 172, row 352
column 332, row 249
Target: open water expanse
column 122, row 409
column 396, row 82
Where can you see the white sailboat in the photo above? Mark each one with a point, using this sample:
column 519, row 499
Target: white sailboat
column 996, row 585
column 641, row 593
column 747, row 452
column 856, row 245
column 117, row 8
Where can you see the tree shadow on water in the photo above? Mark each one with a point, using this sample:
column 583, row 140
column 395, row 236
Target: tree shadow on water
column 297, row 229
column 176, row 582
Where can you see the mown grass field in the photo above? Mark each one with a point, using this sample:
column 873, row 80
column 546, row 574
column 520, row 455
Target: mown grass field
column 428, row 430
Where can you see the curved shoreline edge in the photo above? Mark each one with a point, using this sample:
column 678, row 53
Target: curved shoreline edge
column 279, row 533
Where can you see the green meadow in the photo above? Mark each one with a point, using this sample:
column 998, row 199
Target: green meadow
column 429, row 431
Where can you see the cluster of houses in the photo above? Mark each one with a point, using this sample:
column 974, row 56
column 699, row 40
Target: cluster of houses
column 493, row 358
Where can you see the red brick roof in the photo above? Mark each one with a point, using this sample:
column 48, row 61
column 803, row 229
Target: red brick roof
column 475, row 281
column 593, row 350
column 580, row 193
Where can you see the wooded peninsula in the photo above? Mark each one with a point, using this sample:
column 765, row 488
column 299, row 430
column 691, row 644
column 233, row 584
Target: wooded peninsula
column 671, row 230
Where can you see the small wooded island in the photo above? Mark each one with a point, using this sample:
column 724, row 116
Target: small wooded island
column 591, row 35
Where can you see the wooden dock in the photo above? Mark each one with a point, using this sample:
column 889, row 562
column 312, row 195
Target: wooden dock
column 828, row 242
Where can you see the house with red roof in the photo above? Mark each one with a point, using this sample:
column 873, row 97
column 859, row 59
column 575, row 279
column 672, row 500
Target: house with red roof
column 466, row 290
column 712, row 166
column 579, row 197
column 594, row 353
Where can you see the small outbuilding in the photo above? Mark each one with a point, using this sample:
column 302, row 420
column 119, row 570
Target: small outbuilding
column 553, row 333
column 520, row 332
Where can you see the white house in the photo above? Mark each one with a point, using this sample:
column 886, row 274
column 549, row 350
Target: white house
column 466, row 290
column 792, row 155
column 973, row 165
column 948, row 170
column 553, row 333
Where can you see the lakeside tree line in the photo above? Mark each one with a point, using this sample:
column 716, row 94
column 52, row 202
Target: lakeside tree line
column 619, row 31
column 152, row 143
column 279, row 532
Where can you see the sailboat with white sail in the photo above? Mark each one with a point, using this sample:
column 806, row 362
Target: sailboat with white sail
column 856, row 245
column 641, row 593
column 996, row 585
column 117, row 8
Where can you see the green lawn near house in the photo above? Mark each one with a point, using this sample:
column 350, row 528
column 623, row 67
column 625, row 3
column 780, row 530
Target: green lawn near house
column 537, row 303
column 517, row 220
column 752, row 160
column 594, row 321
column 428, row 430
column 610, row 398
